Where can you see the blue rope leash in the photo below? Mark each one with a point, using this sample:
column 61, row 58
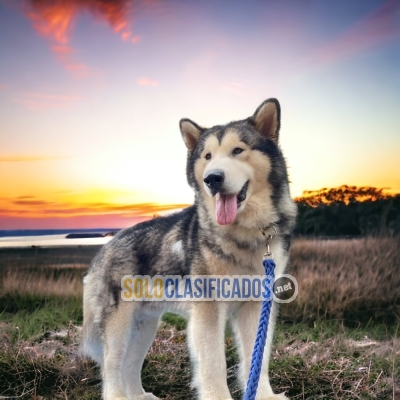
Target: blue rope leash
column 258, row 351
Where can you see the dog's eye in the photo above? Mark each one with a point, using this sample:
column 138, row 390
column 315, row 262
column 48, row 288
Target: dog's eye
column 237, row 150
column 208, row 156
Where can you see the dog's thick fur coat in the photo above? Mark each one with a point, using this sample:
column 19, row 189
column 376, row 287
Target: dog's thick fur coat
column 239, row 177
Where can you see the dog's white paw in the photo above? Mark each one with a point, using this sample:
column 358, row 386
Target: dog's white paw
column 145, row 396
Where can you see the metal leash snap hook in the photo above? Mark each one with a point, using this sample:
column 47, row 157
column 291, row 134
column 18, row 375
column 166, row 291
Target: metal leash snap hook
column 269, row 238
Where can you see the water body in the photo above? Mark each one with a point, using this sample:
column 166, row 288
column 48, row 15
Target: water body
column 48, row 232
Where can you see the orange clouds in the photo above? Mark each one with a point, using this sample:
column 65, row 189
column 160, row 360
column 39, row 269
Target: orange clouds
column 55, row 20
column 31, row 202
column 40, row 207
column 52, row 19
column 45, row 213
column 84, row 222
column 65, row 55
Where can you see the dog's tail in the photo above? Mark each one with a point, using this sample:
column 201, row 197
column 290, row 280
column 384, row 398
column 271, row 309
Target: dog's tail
column 92, row 338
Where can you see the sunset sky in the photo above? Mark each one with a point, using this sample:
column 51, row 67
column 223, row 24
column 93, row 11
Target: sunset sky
column 92, row 91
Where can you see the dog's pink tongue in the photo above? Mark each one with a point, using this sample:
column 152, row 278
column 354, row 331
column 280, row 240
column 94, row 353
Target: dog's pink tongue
column 226, row 208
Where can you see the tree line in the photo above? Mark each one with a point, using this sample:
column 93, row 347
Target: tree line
column 348, row 211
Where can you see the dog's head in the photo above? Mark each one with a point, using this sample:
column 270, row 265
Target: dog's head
column 237, row 169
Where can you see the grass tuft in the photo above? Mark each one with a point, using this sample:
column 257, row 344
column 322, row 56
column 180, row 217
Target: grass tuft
column 33, row 314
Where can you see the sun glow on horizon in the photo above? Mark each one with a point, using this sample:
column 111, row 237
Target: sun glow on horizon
column 92, row 91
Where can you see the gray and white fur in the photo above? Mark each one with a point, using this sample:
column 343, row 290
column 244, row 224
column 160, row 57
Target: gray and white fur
column 242, row 159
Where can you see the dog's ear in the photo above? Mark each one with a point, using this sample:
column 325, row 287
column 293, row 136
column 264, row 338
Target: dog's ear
column 190, row 132
column 267, row 119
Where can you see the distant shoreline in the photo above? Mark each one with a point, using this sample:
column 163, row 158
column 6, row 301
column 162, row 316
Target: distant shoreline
column 47, row 232
column 82, row 238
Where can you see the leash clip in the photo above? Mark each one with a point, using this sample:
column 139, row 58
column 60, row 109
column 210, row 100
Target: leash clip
column 269, row 237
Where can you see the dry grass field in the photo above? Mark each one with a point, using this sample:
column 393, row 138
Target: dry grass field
column 353, row 280
column 338, row 340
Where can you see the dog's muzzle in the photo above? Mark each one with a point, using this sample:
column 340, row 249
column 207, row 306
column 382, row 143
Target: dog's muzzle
column 227, row 203
column 214, row 180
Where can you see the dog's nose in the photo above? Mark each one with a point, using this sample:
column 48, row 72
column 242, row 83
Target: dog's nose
column 214, row 179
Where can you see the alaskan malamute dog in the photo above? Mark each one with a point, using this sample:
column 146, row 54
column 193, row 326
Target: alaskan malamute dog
column 240, row 182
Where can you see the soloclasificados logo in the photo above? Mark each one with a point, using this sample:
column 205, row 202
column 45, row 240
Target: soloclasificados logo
column 283, row 289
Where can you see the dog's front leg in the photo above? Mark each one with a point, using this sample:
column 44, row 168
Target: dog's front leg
column 245, row 323
column 207, row 347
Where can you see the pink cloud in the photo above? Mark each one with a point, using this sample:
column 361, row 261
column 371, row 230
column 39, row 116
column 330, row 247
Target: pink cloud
column 135, row 39
column 63, row 52
column 55, row 20
column 126, row 35
column 80, row 70
column 43, row 101
column 147, row 82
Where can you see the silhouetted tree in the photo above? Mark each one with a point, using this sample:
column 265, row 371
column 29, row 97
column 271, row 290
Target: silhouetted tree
column 348, row 210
